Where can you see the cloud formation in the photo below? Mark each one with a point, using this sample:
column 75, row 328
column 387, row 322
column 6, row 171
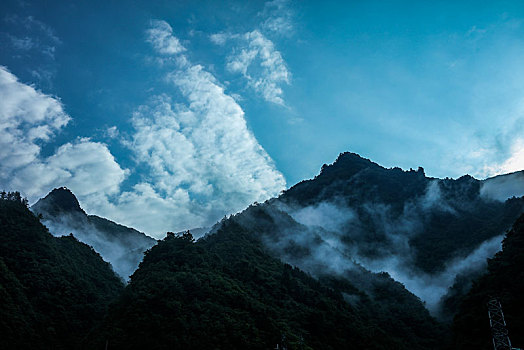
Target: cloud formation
column 255, row 57
column 160, row 35
column 257, row 60
column 279, row 17
column 196, row 158
column 29, row 119
column 203, row 161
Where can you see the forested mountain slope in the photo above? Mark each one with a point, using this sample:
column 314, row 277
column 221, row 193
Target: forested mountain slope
column 423, row 231
column 226, row 292
column 53, row 291
column 122, row 246
column 439, row 218
column 504, row 281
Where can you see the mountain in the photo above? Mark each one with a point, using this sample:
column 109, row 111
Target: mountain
column 227, row 291
column 122, row 246
column 503, row 187
column 53, row 290
column 423, row 231
column 504, row 280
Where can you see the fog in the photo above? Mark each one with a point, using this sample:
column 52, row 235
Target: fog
column 504, row 186
column 332, row 239
column 123, row 253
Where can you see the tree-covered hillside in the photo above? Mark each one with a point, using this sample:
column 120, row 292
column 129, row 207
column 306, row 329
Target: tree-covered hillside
column 53, row 291
column 226, row 292
column 504, row 281
column 121, row 246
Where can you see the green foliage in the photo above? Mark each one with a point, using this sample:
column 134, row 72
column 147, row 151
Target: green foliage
column 52, row 290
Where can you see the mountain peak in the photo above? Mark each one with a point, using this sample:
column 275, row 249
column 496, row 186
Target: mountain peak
column 57, row 201
column 348, row 162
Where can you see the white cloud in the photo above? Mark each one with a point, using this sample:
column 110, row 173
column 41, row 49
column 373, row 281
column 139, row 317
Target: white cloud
column 488, row 159
column 257, row 60
column 514, row 162
column 203, row 161
column 279, row 17
column 160, row 35
column 29, row 118
column 219, row 38
column 112, row 132
column 255, row 57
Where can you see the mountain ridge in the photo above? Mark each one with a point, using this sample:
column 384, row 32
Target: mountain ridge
column 120, row 245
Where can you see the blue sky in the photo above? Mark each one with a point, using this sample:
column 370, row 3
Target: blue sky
column 170, row 115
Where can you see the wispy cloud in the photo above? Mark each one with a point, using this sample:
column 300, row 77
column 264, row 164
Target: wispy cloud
column 255, row 57
column 160, row 35
column 34, row 42
column 278, row 17
column 261, row 65
column 514, row 161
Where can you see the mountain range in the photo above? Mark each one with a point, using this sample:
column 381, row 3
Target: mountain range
column 352, row 258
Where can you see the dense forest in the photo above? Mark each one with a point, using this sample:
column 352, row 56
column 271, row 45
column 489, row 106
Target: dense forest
column 265, row 276
column 53, row 291
column 226, row 292
column 446, row 216
column 504, row 280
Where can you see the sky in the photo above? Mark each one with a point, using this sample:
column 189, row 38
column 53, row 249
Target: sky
column 169, row 115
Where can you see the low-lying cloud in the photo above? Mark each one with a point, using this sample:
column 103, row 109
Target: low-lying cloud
column 124, row 253
column 334, row 240
column 503, row 187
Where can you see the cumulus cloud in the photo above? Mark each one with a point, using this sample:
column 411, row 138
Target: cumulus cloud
column 202, row 160
column 196, row 158
column 160, row 35
column 27, row 116
column 30, row 118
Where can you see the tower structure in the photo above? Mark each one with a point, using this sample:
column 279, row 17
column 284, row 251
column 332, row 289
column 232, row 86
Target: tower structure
column 499, row 331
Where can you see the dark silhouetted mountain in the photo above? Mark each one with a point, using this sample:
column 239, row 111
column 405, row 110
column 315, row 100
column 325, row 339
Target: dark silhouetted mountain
column 226, row 291
column 122, row 246
column 504, row 281
column 451, row 216
column 53, row 291
column 58, row 201
column 423, row 231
